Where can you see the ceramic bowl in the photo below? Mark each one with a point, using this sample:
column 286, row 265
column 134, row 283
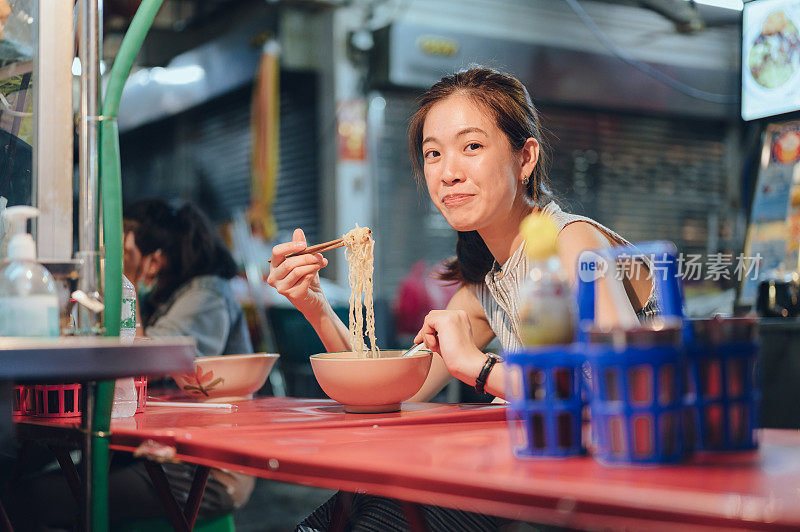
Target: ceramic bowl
column 371, row 385
column 226, row 378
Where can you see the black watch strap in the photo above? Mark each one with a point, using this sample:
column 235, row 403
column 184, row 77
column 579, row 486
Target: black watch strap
column 480, row 382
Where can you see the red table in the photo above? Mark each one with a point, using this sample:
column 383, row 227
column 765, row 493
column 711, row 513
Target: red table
column 86, row 360
column 165, row 424
column 459, row 456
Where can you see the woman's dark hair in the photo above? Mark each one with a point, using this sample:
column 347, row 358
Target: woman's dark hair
column 509, row 102
column 186, row 239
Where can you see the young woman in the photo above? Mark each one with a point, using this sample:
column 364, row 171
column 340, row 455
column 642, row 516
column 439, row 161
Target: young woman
column 476, row 142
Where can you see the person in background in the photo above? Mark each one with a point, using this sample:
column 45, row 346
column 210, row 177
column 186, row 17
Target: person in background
column 182, row 269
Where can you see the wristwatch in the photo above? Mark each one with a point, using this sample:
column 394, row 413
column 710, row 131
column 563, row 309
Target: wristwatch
column 480, row 382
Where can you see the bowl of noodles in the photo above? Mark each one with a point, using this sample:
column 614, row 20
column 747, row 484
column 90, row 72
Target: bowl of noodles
column 371, row 385
column 367, row 379
column 774, row 55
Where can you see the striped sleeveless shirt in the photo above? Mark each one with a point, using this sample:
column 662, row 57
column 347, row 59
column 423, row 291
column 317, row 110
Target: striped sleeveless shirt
column 499, row 294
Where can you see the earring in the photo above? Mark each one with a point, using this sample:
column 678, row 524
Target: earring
column 525, row 180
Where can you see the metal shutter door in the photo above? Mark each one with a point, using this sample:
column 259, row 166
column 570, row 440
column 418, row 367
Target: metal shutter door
column 204, row 155
column 645, row 177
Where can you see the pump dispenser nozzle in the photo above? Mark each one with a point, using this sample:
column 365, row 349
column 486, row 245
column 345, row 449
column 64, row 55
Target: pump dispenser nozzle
column 21, row 246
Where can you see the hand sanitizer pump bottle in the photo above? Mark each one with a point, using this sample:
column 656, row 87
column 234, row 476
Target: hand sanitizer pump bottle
column 28, row 293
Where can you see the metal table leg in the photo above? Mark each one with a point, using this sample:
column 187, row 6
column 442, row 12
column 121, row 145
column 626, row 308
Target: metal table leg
column 69, row 470
column 414, row 517
column 182, row 521
column 87, row 422
column 344, row 501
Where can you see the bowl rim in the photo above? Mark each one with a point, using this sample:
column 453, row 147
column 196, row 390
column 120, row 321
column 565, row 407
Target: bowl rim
column 419, row 354
column 237, row 357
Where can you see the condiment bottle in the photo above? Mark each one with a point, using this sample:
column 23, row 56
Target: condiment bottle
column 547, row 308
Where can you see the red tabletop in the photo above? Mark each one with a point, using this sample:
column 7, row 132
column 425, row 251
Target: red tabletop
column 470, row 466
column 164, row 423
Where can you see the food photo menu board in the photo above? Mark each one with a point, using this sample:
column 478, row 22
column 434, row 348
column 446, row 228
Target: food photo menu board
column 773, row 235
column 770, row 58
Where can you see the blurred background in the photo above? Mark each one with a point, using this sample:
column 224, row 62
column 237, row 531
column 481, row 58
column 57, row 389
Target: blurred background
column 652, row 156
column 272, row 115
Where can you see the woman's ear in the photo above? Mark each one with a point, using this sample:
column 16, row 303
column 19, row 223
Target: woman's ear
column 152, row 266
column 530, row 156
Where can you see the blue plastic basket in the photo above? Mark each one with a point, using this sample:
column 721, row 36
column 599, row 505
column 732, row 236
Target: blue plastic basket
column 722, row 396
column 636, row 404
column 546, row 400
column 636, row 390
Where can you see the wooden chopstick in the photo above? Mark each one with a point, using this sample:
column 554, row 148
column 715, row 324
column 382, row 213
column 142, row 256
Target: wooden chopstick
column 325, row 246
column 318, row 248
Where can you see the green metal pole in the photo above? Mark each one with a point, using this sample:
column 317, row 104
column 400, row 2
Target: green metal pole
column 111, row 193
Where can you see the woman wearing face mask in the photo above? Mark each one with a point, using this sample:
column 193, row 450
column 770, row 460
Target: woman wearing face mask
column 476, row 142
column 181, row 269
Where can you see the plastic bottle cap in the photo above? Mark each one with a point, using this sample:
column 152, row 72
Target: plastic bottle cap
column 540, row 233
column 21, row 246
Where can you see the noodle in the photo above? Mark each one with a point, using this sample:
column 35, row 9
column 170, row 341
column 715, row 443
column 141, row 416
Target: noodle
column 359, row 246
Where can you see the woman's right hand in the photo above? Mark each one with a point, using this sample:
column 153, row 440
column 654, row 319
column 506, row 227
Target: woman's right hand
column 297, row 278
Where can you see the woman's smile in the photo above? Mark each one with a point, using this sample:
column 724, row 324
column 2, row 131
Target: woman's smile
column 455, row 200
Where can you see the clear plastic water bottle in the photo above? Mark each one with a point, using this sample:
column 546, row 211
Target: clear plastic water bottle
column 124, row 398
column 127, row 325
column 125, row 388
column 547, row 310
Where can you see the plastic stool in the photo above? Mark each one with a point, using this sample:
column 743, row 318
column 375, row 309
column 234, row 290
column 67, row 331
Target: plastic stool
column 223, row 523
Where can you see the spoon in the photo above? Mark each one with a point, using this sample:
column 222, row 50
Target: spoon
column 413, row 350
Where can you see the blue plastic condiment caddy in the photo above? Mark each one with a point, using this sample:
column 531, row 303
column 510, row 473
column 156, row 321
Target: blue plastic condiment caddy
column 722, row 396
column 546, row 400
column 656, row 392
column 636, row 387
column 636, row 396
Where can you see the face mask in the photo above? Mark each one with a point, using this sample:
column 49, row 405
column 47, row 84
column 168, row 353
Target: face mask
column 143, row 290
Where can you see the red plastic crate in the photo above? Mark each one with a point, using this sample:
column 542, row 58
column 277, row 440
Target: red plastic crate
column 23, row 400
column 141, row 393
column 57, row 400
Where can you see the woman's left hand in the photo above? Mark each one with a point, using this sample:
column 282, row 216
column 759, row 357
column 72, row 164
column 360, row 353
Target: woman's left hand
column 449, row 333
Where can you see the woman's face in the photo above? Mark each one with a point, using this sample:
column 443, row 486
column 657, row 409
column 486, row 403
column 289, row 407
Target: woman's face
column 472, row 174
column 140, row 267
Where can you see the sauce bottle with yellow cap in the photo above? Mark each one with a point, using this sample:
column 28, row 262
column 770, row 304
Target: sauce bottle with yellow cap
column 547, row 307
